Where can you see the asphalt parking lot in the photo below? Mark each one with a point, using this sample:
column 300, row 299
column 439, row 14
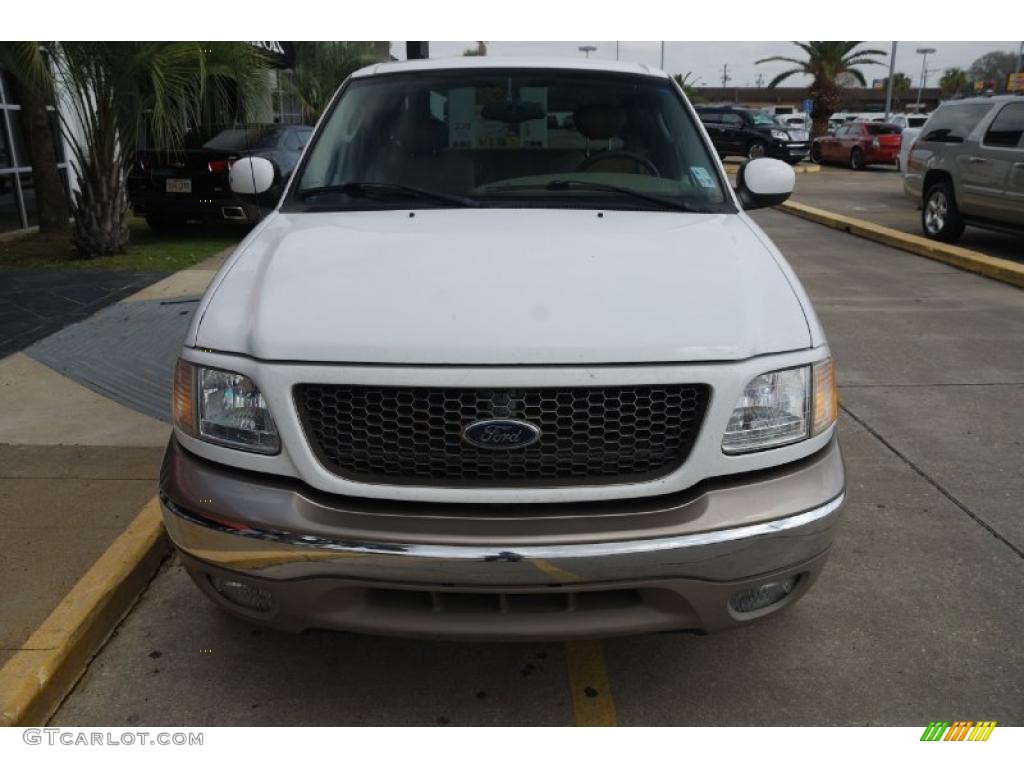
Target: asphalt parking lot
column 876, row 194
column 917, row 616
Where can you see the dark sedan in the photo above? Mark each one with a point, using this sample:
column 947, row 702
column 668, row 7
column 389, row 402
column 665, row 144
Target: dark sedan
column 170, row 189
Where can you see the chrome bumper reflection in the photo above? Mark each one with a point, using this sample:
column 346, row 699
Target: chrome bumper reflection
column 722, row 555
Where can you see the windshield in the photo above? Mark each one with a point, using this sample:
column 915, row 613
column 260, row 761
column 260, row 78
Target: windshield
column 513, row 137
column 763, row 118
column 881, row 129
column 239, row 139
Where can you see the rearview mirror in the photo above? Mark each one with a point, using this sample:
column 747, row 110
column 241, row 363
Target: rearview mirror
column 513, row 112
column 764, row 182
column 251, row 176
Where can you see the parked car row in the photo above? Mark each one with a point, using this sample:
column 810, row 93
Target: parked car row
column 899, row 119
column 967, row 167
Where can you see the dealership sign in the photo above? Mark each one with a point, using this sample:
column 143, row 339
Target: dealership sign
column 1015, row 82
column 282, row 55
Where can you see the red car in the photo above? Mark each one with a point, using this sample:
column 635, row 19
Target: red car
column 858, row 145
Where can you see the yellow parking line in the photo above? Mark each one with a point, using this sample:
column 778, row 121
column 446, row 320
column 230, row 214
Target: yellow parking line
column 592, row 700
column 560, row 575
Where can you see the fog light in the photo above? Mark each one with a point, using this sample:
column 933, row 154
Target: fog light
column 756, row 598
column 242, row 594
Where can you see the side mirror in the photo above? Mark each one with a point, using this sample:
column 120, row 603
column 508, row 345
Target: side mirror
column 251, row 176
column 764, row 182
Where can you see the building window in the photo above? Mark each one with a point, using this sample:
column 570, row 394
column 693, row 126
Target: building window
column 286, row 106
column 17, row 191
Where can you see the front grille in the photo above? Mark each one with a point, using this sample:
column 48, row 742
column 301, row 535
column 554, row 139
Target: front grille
column 413, row 435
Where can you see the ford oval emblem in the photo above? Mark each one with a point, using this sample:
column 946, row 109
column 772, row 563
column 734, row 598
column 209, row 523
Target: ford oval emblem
column 502, row 434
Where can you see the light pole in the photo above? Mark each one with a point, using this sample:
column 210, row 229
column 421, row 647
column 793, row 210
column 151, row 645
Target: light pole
column 587, row 49
column 924, row 73
column 888, row 84
column 616, row 50
column 662, row 55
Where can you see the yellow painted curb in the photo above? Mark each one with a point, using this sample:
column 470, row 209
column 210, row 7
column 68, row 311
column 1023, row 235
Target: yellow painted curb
column 972, row 261
column 732, row 165
column 38, row 677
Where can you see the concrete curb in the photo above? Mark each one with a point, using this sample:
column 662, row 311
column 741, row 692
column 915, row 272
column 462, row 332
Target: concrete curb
column 1002, row 270
column 732, row 165
column 34, row 681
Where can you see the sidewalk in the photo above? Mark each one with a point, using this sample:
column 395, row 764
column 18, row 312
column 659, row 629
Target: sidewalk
column 79, row 456
column 36, row 303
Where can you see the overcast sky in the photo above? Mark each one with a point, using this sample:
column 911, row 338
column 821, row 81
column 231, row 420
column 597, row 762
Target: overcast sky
column 705, row 59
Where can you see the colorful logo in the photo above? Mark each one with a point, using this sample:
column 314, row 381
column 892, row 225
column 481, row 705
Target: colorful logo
column 960, row 730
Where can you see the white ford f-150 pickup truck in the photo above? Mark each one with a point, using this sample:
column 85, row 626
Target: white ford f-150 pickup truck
column 508, row 361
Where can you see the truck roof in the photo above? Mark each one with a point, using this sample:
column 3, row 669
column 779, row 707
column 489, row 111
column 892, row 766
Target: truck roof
column 506, row 62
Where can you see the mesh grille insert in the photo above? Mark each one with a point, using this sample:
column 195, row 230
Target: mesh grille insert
column 414, row 435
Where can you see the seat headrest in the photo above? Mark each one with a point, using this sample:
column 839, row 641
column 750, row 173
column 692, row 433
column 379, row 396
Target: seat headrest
column 599, row 121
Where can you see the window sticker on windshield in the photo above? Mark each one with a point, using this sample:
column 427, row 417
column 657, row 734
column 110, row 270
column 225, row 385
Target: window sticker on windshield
column 702, row 177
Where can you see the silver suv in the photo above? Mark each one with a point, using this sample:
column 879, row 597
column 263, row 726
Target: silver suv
column 967, row 167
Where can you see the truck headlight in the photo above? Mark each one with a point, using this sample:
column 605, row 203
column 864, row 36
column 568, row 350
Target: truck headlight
column 224, row 408
column 782, row 407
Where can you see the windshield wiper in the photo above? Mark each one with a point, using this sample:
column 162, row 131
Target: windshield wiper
column 561, row 185
column 387, row 189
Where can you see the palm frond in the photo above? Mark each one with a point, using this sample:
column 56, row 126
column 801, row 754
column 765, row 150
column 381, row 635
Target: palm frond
column 784, row 75
column 787, row 59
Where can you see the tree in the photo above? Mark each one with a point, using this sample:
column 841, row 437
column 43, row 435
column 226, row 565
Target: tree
column 688, row 83
column 900, row 85
column 825, row 62
column 28, row 72
column 954, row 82
column 994, row 65
column 113, row 93
column 320, row 67
column 480, row 50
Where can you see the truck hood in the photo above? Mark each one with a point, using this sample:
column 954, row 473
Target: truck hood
column 502, row 287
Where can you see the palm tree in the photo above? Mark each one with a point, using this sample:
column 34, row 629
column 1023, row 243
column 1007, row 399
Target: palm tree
column 953, row 82
column 826, row 61
column 900, row 85
column 112, row 93
column 320, row 67
column 28, row 72
column 688, row 83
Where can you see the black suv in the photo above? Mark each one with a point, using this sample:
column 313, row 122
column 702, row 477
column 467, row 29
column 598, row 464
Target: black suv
column 752, row 133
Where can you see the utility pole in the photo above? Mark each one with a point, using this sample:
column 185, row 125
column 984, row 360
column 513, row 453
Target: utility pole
column 662, row 54
column 725, row 75
column 616, row 50
column 760, row 80
column 924, row 73
column 888, row 84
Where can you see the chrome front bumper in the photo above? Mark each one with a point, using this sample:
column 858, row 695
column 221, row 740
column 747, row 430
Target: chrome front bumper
column 304, row 547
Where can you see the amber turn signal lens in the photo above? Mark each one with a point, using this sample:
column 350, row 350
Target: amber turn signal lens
column 182, row 399
column 826, row 401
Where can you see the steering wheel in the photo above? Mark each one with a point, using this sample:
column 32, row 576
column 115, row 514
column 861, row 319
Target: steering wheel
column 640, row 160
